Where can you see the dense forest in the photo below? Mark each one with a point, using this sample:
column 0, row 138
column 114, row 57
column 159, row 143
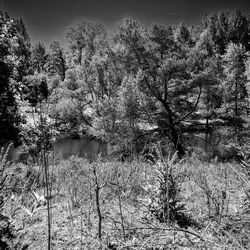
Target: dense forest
column 154, row 94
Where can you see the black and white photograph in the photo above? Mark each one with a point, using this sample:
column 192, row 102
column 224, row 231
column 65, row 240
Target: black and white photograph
column 124, row 124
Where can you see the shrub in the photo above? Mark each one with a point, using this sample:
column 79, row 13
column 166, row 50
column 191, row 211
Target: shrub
column 166, row 203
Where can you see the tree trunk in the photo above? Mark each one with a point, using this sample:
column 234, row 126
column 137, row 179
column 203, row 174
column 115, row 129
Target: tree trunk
column 173, row 133
column 79, row 59
column 177, row 143
column 236, row 97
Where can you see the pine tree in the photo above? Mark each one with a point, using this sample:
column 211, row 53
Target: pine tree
column 167, row 77
column 56, row 64
column 235, row 80
column 9, row 115
column 38, row 57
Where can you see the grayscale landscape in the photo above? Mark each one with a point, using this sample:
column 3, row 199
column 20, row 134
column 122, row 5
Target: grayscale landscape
column 124, row 124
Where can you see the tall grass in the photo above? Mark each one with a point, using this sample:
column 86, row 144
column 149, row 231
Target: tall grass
column 140, row 205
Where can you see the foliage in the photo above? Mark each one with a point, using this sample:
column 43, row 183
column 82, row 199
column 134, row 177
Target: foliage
column 36, row 88
column 9, row 183
column 55, row 64
column 38, row 57
column 12, row 68
column 10, row 118
column 141, row 83
column 212, row 193
column 135, row 87
column 166, row 204
column 236, row 80
column 39, row 137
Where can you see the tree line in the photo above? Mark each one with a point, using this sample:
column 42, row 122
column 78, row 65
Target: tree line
column 134, row 85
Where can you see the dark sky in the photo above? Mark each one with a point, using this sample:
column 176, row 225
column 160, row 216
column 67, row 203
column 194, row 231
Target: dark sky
column 48, row 20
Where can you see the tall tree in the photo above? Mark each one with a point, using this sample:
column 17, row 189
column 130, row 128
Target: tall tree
column 23, row 50
column 56, row 64
column 226, row 27
column 9, row 114
column 235, row 79
column 238, row 29
column 38, row 57
column 235, row 106
column 81, row 39
column 166, row 78
column 217, row 27
column 36, row 88
column 208, row 65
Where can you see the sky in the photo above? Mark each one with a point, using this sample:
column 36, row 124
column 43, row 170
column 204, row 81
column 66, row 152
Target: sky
column 49, row 20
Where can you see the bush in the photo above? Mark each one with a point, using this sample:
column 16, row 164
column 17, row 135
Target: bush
column 166, row 202
column 7, row 232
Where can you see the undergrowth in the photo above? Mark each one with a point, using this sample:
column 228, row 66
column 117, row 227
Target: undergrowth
column 135, row 205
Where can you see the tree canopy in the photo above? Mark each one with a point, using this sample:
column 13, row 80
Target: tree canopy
column 134, row 84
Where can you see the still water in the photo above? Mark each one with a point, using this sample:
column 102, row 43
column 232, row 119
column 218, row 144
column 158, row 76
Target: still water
column 91, row 148
column 83, row 147
column 64, row 148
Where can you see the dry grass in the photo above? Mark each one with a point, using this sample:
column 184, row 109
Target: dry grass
column 214, row 195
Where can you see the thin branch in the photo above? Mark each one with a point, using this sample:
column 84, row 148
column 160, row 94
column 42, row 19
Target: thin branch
column 192, row 111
